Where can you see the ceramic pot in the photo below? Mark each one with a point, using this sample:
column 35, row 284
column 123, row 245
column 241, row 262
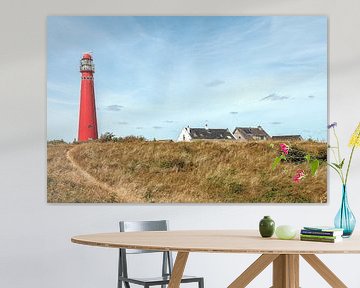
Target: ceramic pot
column 266, row 226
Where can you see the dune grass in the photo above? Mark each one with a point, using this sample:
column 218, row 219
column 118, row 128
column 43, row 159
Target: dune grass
column 66, row 185
column 195, row 172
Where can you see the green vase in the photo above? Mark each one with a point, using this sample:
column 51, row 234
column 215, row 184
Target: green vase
column 266, row 227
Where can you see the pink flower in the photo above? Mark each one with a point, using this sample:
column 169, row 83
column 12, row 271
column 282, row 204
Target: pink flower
column 284, row 148
column 300, row 174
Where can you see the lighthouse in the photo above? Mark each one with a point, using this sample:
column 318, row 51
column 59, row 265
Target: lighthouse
column 87, row 115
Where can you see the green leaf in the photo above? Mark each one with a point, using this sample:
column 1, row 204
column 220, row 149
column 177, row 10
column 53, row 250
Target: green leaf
column 271, row 145
column 342, row 163
column 283, row 157
column 307, row 157
column 276, row 162
column 336, row 165
column 333, row 167
column 339, row 166
column 314, row 165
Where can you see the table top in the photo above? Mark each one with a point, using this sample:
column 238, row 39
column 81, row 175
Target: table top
column 216, row 241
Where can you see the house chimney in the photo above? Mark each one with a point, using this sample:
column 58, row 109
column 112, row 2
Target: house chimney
column 206, row 126
column 259, row 127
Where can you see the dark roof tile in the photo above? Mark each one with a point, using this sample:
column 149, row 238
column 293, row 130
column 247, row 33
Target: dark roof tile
column 250, row 132
column 210, row 134
column 287, row 137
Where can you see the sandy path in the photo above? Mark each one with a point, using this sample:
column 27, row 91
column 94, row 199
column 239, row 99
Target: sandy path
column 121, row 193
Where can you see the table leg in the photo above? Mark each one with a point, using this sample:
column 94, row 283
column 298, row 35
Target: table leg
column 253, row 270
column 293, row 262
column 178, row 269
column 324, row 271
column 286, row 271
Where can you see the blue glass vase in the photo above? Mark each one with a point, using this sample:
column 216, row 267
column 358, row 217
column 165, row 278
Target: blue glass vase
column 345, row 219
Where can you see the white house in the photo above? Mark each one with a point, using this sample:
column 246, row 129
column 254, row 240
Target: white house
column 191, row 134
column 250, row 133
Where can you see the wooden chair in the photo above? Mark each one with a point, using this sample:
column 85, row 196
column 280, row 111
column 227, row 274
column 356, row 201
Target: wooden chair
column 167, row 262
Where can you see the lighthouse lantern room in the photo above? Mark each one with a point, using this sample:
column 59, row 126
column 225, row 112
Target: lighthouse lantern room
column 87, row 115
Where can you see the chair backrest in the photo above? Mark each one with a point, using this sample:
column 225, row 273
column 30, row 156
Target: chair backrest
column 135, row 226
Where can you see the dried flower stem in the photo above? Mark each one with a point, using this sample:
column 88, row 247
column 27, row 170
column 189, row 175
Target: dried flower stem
column 351, row 156
column 339, row 171
column 348, row 167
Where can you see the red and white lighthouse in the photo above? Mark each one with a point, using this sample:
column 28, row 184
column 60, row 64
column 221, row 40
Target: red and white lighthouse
column 87, row 116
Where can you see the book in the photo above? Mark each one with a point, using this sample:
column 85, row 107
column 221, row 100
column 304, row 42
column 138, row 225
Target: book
column 319, row 236
column 323, row 228
column 325, row 240
column 321, row 233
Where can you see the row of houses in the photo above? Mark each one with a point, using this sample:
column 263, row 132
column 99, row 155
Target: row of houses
column 239, row 133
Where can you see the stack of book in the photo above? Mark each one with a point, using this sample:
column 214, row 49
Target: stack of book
column 321, row 234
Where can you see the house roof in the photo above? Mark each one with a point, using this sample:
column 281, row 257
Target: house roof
column 207, row 133
column 287, row 137
column 250, row 132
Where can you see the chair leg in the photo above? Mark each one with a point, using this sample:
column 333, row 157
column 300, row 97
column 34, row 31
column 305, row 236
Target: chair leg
column 126, row 284
column 201, row 283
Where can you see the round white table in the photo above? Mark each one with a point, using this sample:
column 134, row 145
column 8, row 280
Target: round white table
column 284, row 254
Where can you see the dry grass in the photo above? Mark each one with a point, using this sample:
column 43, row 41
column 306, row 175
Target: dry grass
column 140, row 171
column 66, row 185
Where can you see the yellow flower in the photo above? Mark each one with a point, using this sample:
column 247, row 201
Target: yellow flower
column 355, row 138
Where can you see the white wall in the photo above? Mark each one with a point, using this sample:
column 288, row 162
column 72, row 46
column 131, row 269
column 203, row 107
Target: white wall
column 35, row 248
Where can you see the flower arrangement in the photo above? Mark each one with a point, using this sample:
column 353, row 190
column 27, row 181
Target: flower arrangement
column 344, row 219
column 339, row 163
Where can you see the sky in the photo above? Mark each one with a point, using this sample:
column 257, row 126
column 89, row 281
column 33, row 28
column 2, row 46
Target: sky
column 156, row 75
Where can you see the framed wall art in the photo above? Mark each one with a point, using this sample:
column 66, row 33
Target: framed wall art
column 180, row 109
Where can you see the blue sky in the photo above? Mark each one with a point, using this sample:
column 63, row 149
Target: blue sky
column 155, row 75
